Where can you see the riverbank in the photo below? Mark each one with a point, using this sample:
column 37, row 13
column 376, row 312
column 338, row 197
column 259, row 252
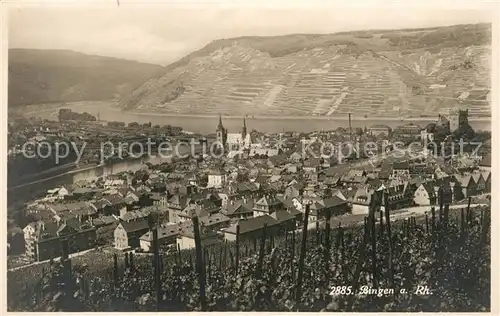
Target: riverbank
column 338, row 117
column 207, row 123
column 104, row 106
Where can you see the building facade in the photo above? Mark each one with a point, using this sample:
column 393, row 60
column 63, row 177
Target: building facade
column 233, row 141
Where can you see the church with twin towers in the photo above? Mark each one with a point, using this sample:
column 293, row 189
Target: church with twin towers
column 233, row 141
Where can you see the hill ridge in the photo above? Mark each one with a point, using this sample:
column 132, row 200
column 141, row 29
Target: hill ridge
column 369, row 73
column 61, row 75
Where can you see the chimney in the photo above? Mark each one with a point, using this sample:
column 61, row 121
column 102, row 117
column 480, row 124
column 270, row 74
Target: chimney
column 244, row 200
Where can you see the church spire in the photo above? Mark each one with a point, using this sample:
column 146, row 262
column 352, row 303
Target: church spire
column 220, row 127
column 244, row 130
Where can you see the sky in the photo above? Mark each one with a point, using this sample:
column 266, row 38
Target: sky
column 163, row 34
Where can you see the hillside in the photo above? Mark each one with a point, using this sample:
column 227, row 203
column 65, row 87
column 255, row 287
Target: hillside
column 43, row 76
column 377, row 72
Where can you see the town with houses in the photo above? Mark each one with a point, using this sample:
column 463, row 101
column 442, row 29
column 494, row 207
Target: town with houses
column 262, row 179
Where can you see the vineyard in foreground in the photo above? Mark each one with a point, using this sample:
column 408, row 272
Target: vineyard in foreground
column 449, row 252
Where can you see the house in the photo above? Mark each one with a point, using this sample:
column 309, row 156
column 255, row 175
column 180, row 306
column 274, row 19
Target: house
column 385, row 171
column 291, row 168
column 312, row 165
column 355, row 177
column 80, row 193
column 480, row 182
column 248, row 189
column 191, row 210
column 361, row 199
column 175, row 205
column 292, row 204
column 311, row 189
column 166, row 236
column 468, row 186
column 187, row 189
column 487, row 180
column 332, row 181
column 446, row 192
column 294, row 190
column 64, row 191
column 379, row 130
column 286, row 220
column 311, row 175
column 276, row 161
column 216, row 179
column 425, row 194
column 400, row 196
column 113, row 204
column 239, row 209
column 266, row 205
column 252, row 228
column 485, row 164
column 427, row 134
column 43, row 239
column 82, row 210
column 400, row 169
column 113, row 183
column 185, row 239
column 295, row 157
column 264, row 152
column 127, row 234
column 214, row 222
column 128, row 216
column 319, row 208
column 409, row 130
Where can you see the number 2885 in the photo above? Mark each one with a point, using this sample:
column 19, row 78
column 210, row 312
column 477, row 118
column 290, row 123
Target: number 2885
column 342, row 290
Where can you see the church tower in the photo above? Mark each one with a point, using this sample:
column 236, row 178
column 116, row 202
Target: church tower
column 221, row 132
column 244, row 129
column 463, row 118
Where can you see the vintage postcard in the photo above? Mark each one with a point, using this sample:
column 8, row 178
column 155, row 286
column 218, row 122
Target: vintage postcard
column 249, row 157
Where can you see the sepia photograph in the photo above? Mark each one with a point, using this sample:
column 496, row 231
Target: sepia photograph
column 239, row 158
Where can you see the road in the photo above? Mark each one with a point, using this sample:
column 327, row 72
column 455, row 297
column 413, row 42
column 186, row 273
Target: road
column 352, row 219
column 73, row 255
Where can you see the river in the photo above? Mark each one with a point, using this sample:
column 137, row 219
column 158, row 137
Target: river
column 39, row 187
column 108, row 111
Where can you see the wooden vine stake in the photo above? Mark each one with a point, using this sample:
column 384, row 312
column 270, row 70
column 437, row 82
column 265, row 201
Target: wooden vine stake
column 156, row 249
column 200, row 266
column 372, row 220
column 426, row 223
column 300, row 274
column 389, row 238
column 115, row 270
column 260, row 262
column 469, row 217
column 433, row 219
column 237, row 249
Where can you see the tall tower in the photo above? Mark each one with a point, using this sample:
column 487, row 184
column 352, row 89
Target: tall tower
column 463, row 118
column 453, row 118
column 244, row 129
column 221, row 132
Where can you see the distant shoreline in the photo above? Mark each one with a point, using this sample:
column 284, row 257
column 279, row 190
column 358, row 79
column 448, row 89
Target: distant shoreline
column 111, row 106
column 337, row 117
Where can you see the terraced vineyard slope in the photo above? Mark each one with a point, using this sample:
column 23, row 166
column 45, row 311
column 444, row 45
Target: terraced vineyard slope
column 371, row 73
